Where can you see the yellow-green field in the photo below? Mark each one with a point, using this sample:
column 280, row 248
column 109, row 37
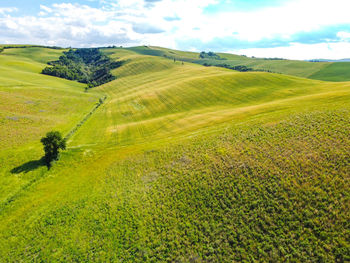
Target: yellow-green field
column 181, row 163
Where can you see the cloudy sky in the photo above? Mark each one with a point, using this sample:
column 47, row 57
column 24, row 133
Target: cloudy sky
column 297, row 29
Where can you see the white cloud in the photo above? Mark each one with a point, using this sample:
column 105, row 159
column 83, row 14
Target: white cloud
column 297, row 16
column 165, row 22
column 4, row 10
column 343, row 35
column 45, row 9
column 282, row 21
column 66, row 25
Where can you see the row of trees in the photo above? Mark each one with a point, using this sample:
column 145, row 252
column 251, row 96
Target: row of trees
column 241, row 68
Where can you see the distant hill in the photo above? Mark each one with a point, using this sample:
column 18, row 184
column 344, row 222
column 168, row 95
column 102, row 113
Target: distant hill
column 324, row 70
column 330, row 60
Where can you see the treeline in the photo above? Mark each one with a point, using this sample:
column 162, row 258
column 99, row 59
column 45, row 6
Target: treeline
column 210, row 55
column 29, row 46
column 85, row 65
column 274, row 59
column 240, row 68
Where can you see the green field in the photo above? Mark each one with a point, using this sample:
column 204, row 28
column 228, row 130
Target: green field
column 32, row 104
column 182, row 163
column 328, row 71
column 339, row 71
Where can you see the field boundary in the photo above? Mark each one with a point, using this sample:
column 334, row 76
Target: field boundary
column 86, row 117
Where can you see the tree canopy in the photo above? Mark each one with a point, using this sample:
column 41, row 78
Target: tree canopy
column 53, row 143
column 86, row 65
column 210, row 55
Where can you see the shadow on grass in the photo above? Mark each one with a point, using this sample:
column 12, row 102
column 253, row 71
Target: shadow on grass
column 28, row 167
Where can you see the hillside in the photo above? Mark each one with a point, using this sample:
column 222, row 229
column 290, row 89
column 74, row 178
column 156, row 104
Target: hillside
column 32, row 104
column 181, row 163
column 328, row 71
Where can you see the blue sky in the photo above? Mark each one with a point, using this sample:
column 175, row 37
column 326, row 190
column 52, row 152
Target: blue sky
column 296, row 29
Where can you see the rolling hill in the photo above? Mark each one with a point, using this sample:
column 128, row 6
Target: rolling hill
column 328, row 71
column 181, row 162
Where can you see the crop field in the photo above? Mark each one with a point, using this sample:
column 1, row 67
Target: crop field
column 181, row 163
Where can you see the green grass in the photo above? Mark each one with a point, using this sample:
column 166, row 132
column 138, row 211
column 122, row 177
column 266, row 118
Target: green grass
column 339, row 71
column 37, row 54
column 32, row 104
column 180, row 163
column 164, row 52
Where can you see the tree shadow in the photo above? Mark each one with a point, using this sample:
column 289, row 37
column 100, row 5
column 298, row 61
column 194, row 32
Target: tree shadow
column 28, row 167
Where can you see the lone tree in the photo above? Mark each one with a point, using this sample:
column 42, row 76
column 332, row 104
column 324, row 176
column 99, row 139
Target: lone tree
column 53, row 143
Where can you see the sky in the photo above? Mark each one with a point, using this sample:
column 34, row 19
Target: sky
column 293, row 29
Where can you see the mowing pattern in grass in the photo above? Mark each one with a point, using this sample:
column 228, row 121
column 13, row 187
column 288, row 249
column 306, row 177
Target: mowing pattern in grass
column 155, row 97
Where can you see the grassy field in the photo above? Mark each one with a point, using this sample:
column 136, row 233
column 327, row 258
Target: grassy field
column 181, row 163
column 32, row 104
column 328, row 71
column 339, row 71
